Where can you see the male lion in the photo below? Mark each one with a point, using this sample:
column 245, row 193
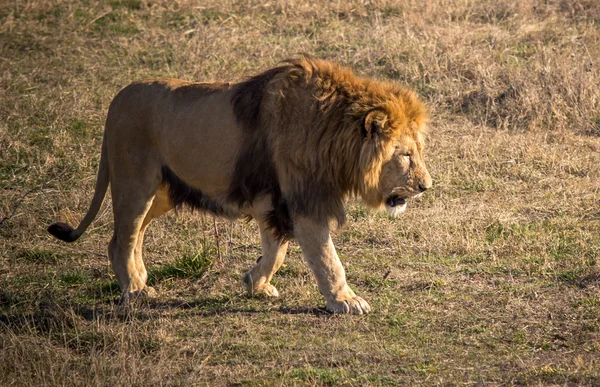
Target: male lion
column 285, row 147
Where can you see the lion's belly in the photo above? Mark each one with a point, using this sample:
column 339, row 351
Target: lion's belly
column 199, row 142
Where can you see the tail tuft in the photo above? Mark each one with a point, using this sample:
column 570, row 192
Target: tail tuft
column 63, row 232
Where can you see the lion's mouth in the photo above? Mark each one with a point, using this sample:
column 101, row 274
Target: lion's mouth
column 395, row 205
column 395, row 201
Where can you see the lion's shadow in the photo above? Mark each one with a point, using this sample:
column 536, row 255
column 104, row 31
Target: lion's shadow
column 50, row 314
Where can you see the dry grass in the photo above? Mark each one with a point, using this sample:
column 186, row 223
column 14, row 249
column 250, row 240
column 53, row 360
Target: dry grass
column 493, row 278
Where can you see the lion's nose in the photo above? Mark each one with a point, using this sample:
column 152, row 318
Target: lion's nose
column 425, row 185
column 426, row 182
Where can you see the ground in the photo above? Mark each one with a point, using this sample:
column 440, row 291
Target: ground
column 491, row 278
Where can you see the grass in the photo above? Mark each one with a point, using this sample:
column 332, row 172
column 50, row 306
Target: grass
column 192, row 265
column 491, row 278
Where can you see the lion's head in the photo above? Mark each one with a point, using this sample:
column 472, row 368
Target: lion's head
column 404, row 175
column 392, row 167
column 392, row 156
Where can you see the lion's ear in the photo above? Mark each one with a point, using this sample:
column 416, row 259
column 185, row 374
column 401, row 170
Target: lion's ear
column 373, row 123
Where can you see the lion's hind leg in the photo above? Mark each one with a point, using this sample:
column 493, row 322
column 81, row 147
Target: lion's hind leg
column 160, row 206
column 258, row 279
column 133, row 198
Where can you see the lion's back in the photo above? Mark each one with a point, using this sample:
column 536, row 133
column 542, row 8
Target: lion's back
column 154, row 104
column 149, row 92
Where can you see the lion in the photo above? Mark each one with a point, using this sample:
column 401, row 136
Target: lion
column 286, row 147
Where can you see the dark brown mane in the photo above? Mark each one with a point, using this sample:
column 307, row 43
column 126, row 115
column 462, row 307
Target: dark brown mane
column 248, row 97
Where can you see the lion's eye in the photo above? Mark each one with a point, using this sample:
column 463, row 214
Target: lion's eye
column 403, row 153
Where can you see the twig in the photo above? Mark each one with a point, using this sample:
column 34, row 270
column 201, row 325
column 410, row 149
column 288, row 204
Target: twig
column 19, row 202
column 217, row 238
column 98, row 18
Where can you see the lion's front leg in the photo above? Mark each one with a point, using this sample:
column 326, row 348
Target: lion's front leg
column 258, row 279
column 320, row 254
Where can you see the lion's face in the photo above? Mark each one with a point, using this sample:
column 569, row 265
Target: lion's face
column 404, row 174
column 393, row 156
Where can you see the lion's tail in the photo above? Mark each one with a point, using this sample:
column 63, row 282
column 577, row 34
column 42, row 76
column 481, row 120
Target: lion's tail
column 65, row 232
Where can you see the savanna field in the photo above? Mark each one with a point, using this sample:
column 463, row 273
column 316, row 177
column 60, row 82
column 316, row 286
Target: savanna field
column 491, row 278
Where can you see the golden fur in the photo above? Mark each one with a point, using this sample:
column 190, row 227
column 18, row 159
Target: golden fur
column 286, row 147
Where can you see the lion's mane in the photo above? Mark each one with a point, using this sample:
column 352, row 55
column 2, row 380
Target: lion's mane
column 305, row 142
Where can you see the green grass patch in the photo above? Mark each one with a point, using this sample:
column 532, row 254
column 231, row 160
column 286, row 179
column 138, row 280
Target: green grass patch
column 78, row 129
column 191, row 265
column 77, row 277
column 319, row 376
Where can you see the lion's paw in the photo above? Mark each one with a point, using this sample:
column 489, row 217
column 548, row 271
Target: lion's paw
column 266, row 289
column 146, row 292
column 354, row 305
column 149, row 291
